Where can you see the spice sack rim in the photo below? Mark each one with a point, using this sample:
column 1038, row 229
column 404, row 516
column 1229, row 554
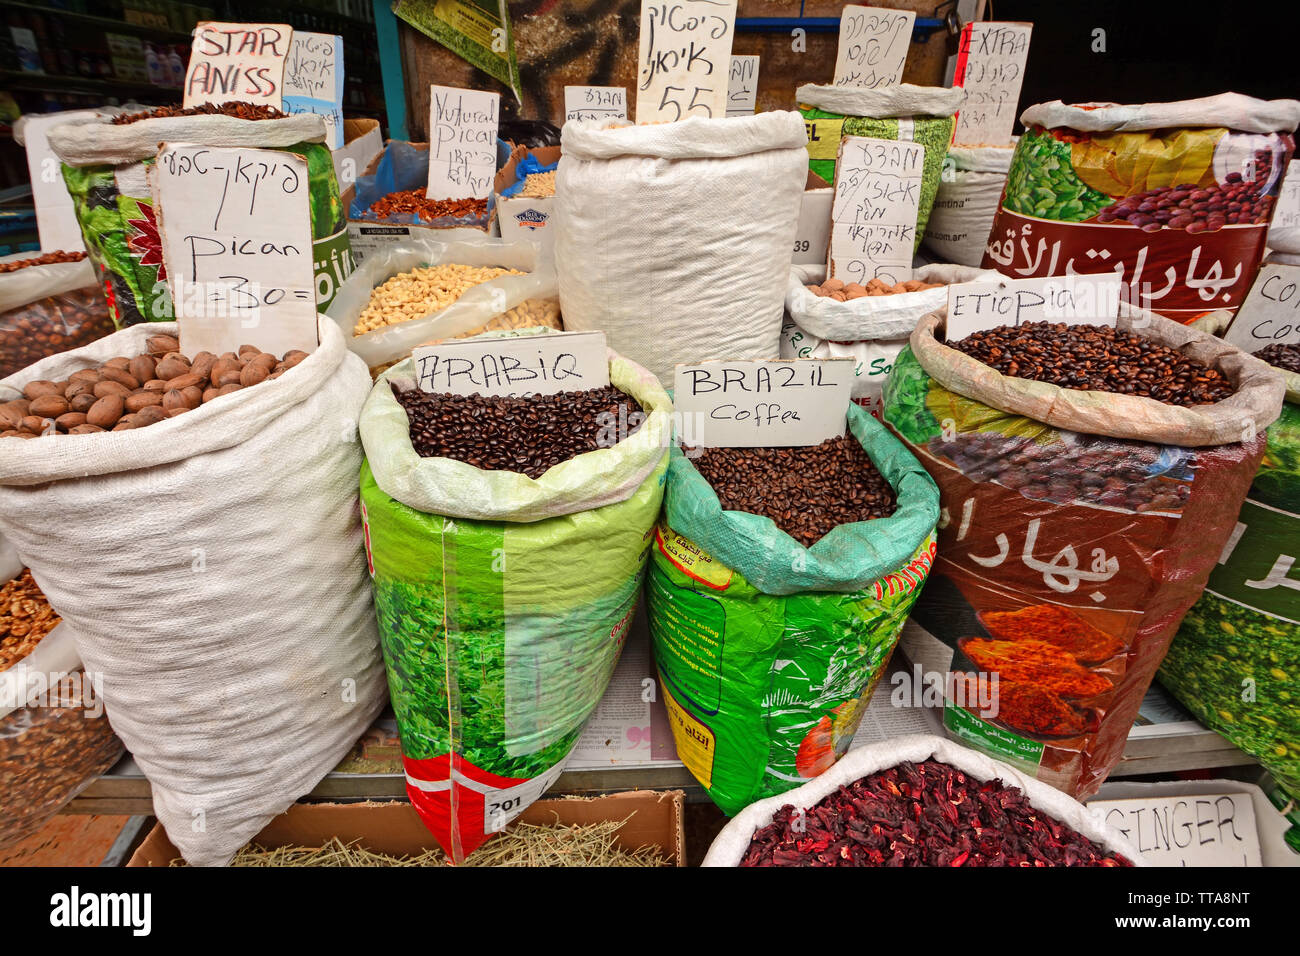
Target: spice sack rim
column 729, row 847
column 222, row 423
column 457, row 489
column 692, row 138
column 32, row 283
column 1256, row 403
column 1234, row 111
column 92, row 142
column 885, row 102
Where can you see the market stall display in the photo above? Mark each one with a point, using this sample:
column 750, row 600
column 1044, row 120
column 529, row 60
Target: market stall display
column 1082, row 524
column 768, row 645
column 966, row 202
column 49, row 303
column 394, row 189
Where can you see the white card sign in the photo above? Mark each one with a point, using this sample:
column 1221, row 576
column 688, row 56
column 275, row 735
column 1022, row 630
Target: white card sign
column 515, row 365
column 1286, row 214
column 595, row 103
column 684, row 59
column 462, row 142
column 313, row 81
column 1271, row 312
column 1201, row 830
column 238, row 62
column 762, row 404
column 56, row 219
column 742, row 88
column 873, row 46
column 236, row 238
column 873, row 212
column 1074, row 300
column 991, row 60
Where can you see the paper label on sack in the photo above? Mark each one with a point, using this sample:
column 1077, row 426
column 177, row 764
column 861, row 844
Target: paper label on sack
column 313, row 81
column 238, row 62
column 873, row 46
column 684, row 59
column 873, row 212
column 1271, row 313
column 56, row 218
column 742, row 88
column 515, row 366
column 1074, row 300
column 991, row 60
column 1286, row 214
column 762, row 404
column 595, row 103
column 235, row 226
column 1195, row 830
column 462, row 142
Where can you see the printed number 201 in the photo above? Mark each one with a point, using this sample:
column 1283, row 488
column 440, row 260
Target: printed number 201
column 505, row 806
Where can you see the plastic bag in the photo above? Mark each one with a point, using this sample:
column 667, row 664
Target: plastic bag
column 970, row 189
column 473, row 310
column 1077, row 536
column 528, row 166
column 47, row 309
column 768, row 651
column 503, row 603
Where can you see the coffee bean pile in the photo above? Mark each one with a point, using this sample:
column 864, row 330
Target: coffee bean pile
column 526, row 435
column 805, row 491
column 1205, row 209
column 1086, row 470
column 1097, row 358
column 248, row 111
column 1281, row 356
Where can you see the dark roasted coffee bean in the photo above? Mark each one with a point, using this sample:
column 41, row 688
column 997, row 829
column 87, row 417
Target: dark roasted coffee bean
column 1281, row 356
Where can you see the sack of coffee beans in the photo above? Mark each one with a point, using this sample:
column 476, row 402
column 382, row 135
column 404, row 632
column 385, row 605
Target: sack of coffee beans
column 507, row 542
column 422, row 290
column 914, row 114
column 1177, row 194
column 1233, row 662
column 48, row 303
column 212, row 570
column 105, row 162
column 870, row 328
column 1090, row 478
column 675, row 239
column 970, row 188
column 779, row 581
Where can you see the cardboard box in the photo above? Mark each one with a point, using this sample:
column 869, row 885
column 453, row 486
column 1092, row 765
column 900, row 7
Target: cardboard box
column 395, row 828
column 362, row 143
column 528, row 218
column 814, row 233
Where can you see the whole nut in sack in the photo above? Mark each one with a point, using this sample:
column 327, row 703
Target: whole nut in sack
column 48, row 303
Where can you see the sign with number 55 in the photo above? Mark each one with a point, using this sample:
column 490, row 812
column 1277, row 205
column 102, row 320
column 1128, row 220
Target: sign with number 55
column 684, row 62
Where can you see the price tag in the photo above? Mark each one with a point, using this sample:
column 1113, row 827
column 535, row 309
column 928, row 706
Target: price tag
column 990, row 66
column 684, row 58
column 742, row 89
column 313, row 81
column 781, row 403
column 56, row 219
column 235, row 225
column 462, row 142
column 1286, row 215
column 238, row 62
column 523, row 365
column 873, row 212
column 1074, row 300
column 1271, row 313
column 595, row 103
column 873, row 46
column 1195, row 830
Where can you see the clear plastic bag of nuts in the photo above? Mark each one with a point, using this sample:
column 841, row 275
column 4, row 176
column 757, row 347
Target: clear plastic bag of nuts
column 47, row 308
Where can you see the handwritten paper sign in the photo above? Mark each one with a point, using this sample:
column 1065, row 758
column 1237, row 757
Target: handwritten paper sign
column 873, row 212
column 684, row 59
column 873, row 46
column 991, row 60
column 1075, row 300
column 238, row 62
column 56, row 219
column 236, row 241
column 313, row 81
column 595, row 103
column 1271, row 313
column 1286, row 214
column 742, row 88
column 1201, row 830
column 462, row 142
column 522, row 365
column 763, row 404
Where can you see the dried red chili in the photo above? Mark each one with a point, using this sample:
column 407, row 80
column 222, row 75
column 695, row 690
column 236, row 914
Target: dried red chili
column 413, row 202
column 926, row 814
column 248, row 111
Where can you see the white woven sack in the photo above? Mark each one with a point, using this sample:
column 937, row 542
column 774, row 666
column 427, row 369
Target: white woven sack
column 1235, row 111
column 900, row 99
column 24, row 286
column 729, row 847
column 970, row 190
column 95, row 141
column 675, row 239
column 211, row 568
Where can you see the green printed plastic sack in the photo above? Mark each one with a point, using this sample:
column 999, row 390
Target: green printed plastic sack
column 920, row 114
column 1235, row 662
column 768, row 651
column 105, row 167
column 503, row 603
